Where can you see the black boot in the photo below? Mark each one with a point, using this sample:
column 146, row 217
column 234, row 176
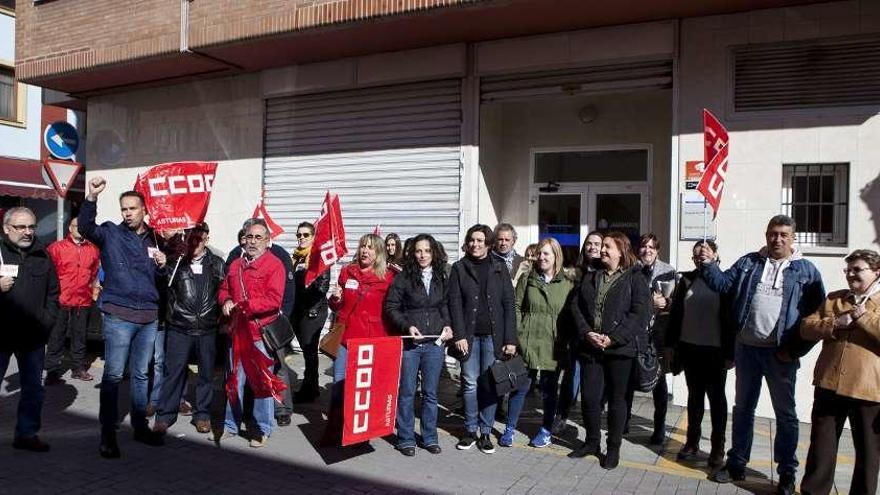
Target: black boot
column 109, row 449
column 612, row 458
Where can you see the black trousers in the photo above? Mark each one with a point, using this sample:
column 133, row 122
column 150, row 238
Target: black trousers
column 178, row 347
column 72, row 322
column 608, row 374
column 309, row 335
column 660, row 395
column 830, row 411
column 706, row 375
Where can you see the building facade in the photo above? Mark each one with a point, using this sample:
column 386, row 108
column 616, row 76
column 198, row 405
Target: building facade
column 23, row 117
column 432, row 115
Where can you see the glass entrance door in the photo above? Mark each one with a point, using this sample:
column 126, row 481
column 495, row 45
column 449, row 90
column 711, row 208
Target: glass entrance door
column 562, row 217
column 620, row 208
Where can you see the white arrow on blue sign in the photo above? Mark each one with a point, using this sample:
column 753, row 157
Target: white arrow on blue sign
column 61, row 139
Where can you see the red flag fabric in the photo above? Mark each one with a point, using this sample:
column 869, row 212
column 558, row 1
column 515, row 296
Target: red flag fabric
column 715, row 152
column 372, row 375
column 329, row 244
column 177, row 194
column 261, row 212
column 712, row 184
column 714, row 136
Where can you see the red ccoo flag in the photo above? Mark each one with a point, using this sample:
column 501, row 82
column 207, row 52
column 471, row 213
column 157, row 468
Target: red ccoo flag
column 329, row 244
column 261, row 212
column 372, row 378
column 715, row 150
column 177, row 194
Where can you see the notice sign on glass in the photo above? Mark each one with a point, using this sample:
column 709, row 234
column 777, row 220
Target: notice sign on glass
column 696, row 218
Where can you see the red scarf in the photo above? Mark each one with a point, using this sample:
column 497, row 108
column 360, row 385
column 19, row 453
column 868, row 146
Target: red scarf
column 257, row 366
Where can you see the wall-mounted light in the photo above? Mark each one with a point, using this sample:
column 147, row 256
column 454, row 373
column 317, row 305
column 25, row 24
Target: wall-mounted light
column 587, row 114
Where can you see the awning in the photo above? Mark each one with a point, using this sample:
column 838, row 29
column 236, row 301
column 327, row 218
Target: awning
column 24, row 179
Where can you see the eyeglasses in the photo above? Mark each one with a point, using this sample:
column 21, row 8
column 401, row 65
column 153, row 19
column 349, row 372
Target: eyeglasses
column 252, row 237
column 304, row 235
column 22, row 228
column 855, row 271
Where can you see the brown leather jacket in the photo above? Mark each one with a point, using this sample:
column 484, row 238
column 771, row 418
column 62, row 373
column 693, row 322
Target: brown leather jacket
column 849, row 364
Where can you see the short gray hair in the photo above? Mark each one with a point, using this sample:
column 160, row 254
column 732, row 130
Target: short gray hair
column 7, row 217
column 250, row 222
column 505, row 227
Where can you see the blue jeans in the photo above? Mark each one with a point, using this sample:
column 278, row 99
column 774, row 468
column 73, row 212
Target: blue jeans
column 158, row 368
column 123, row 342
column 478, row 411
column 753, row 364
column 338, row 389
column 427, row 358
column 30, row 401
column 515, row 402
column 264, row 408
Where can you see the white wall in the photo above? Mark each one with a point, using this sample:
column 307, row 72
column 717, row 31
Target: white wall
column 19, row 141
column 217, row 120
column 759, row 146
column 509, row 131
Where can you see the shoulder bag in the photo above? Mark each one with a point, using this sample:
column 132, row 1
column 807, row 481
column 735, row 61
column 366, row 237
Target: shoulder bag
column 277, row 334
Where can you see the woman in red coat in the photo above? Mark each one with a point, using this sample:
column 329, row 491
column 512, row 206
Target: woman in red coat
column 357, row 300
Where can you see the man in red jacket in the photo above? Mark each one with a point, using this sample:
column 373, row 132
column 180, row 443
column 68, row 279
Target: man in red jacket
column 76, row 260
column 251, row 296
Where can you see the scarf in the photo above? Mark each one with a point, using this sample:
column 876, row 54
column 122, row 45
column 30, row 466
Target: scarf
column 301, row 256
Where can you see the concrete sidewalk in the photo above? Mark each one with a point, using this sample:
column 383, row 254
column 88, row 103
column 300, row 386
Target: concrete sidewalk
column 293, row 463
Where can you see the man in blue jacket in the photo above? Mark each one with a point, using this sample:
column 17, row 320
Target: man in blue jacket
column 130, row 307
column 771, row 290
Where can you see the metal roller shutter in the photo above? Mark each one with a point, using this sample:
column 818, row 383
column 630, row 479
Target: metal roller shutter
column 391, row 153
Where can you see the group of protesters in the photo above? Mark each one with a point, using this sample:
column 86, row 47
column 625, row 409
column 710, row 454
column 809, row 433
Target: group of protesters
column 580, row 326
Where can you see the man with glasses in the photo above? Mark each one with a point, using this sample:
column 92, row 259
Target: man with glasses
column 251, row 296
column 772, row 291
column 29, row 307
column 284, row 409
column 132, row 264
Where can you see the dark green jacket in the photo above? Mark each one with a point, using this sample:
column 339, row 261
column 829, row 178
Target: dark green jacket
column 542, row 320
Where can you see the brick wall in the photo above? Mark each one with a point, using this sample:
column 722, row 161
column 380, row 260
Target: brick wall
column 65, row 36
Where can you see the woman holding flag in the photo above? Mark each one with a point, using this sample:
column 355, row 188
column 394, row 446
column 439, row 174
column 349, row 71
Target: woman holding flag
column 309, row 311
column 357, row 301
column 417, row 305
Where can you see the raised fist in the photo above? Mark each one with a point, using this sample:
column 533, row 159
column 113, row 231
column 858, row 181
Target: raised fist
column 96, row 187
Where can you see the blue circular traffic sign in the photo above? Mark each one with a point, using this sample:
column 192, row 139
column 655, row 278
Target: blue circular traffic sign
column 61, row 139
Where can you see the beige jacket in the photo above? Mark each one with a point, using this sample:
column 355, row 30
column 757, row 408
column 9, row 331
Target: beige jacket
column 849, row 363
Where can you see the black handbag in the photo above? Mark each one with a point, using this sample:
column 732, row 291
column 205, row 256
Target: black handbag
column 647, row 367
column 506, row 376
column 277, row 334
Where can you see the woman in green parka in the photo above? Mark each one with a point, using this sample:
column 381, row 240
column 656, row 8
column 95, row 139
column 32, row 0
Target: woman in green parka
column 540, row 309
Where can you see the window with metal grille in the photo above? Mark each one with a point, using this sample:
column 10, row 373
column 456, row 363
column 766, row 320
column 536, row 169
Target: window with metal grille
column 816, row 196
column 802, row 75
column 8, row 96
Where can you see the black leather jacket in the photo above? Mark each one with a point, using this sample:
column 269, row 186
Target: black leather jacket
column 192, row 307
column 464, row 302
column 407, row 304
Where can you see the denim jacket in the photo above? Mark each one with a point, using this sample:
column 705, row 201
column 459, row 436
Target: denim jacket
column 802, row 294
